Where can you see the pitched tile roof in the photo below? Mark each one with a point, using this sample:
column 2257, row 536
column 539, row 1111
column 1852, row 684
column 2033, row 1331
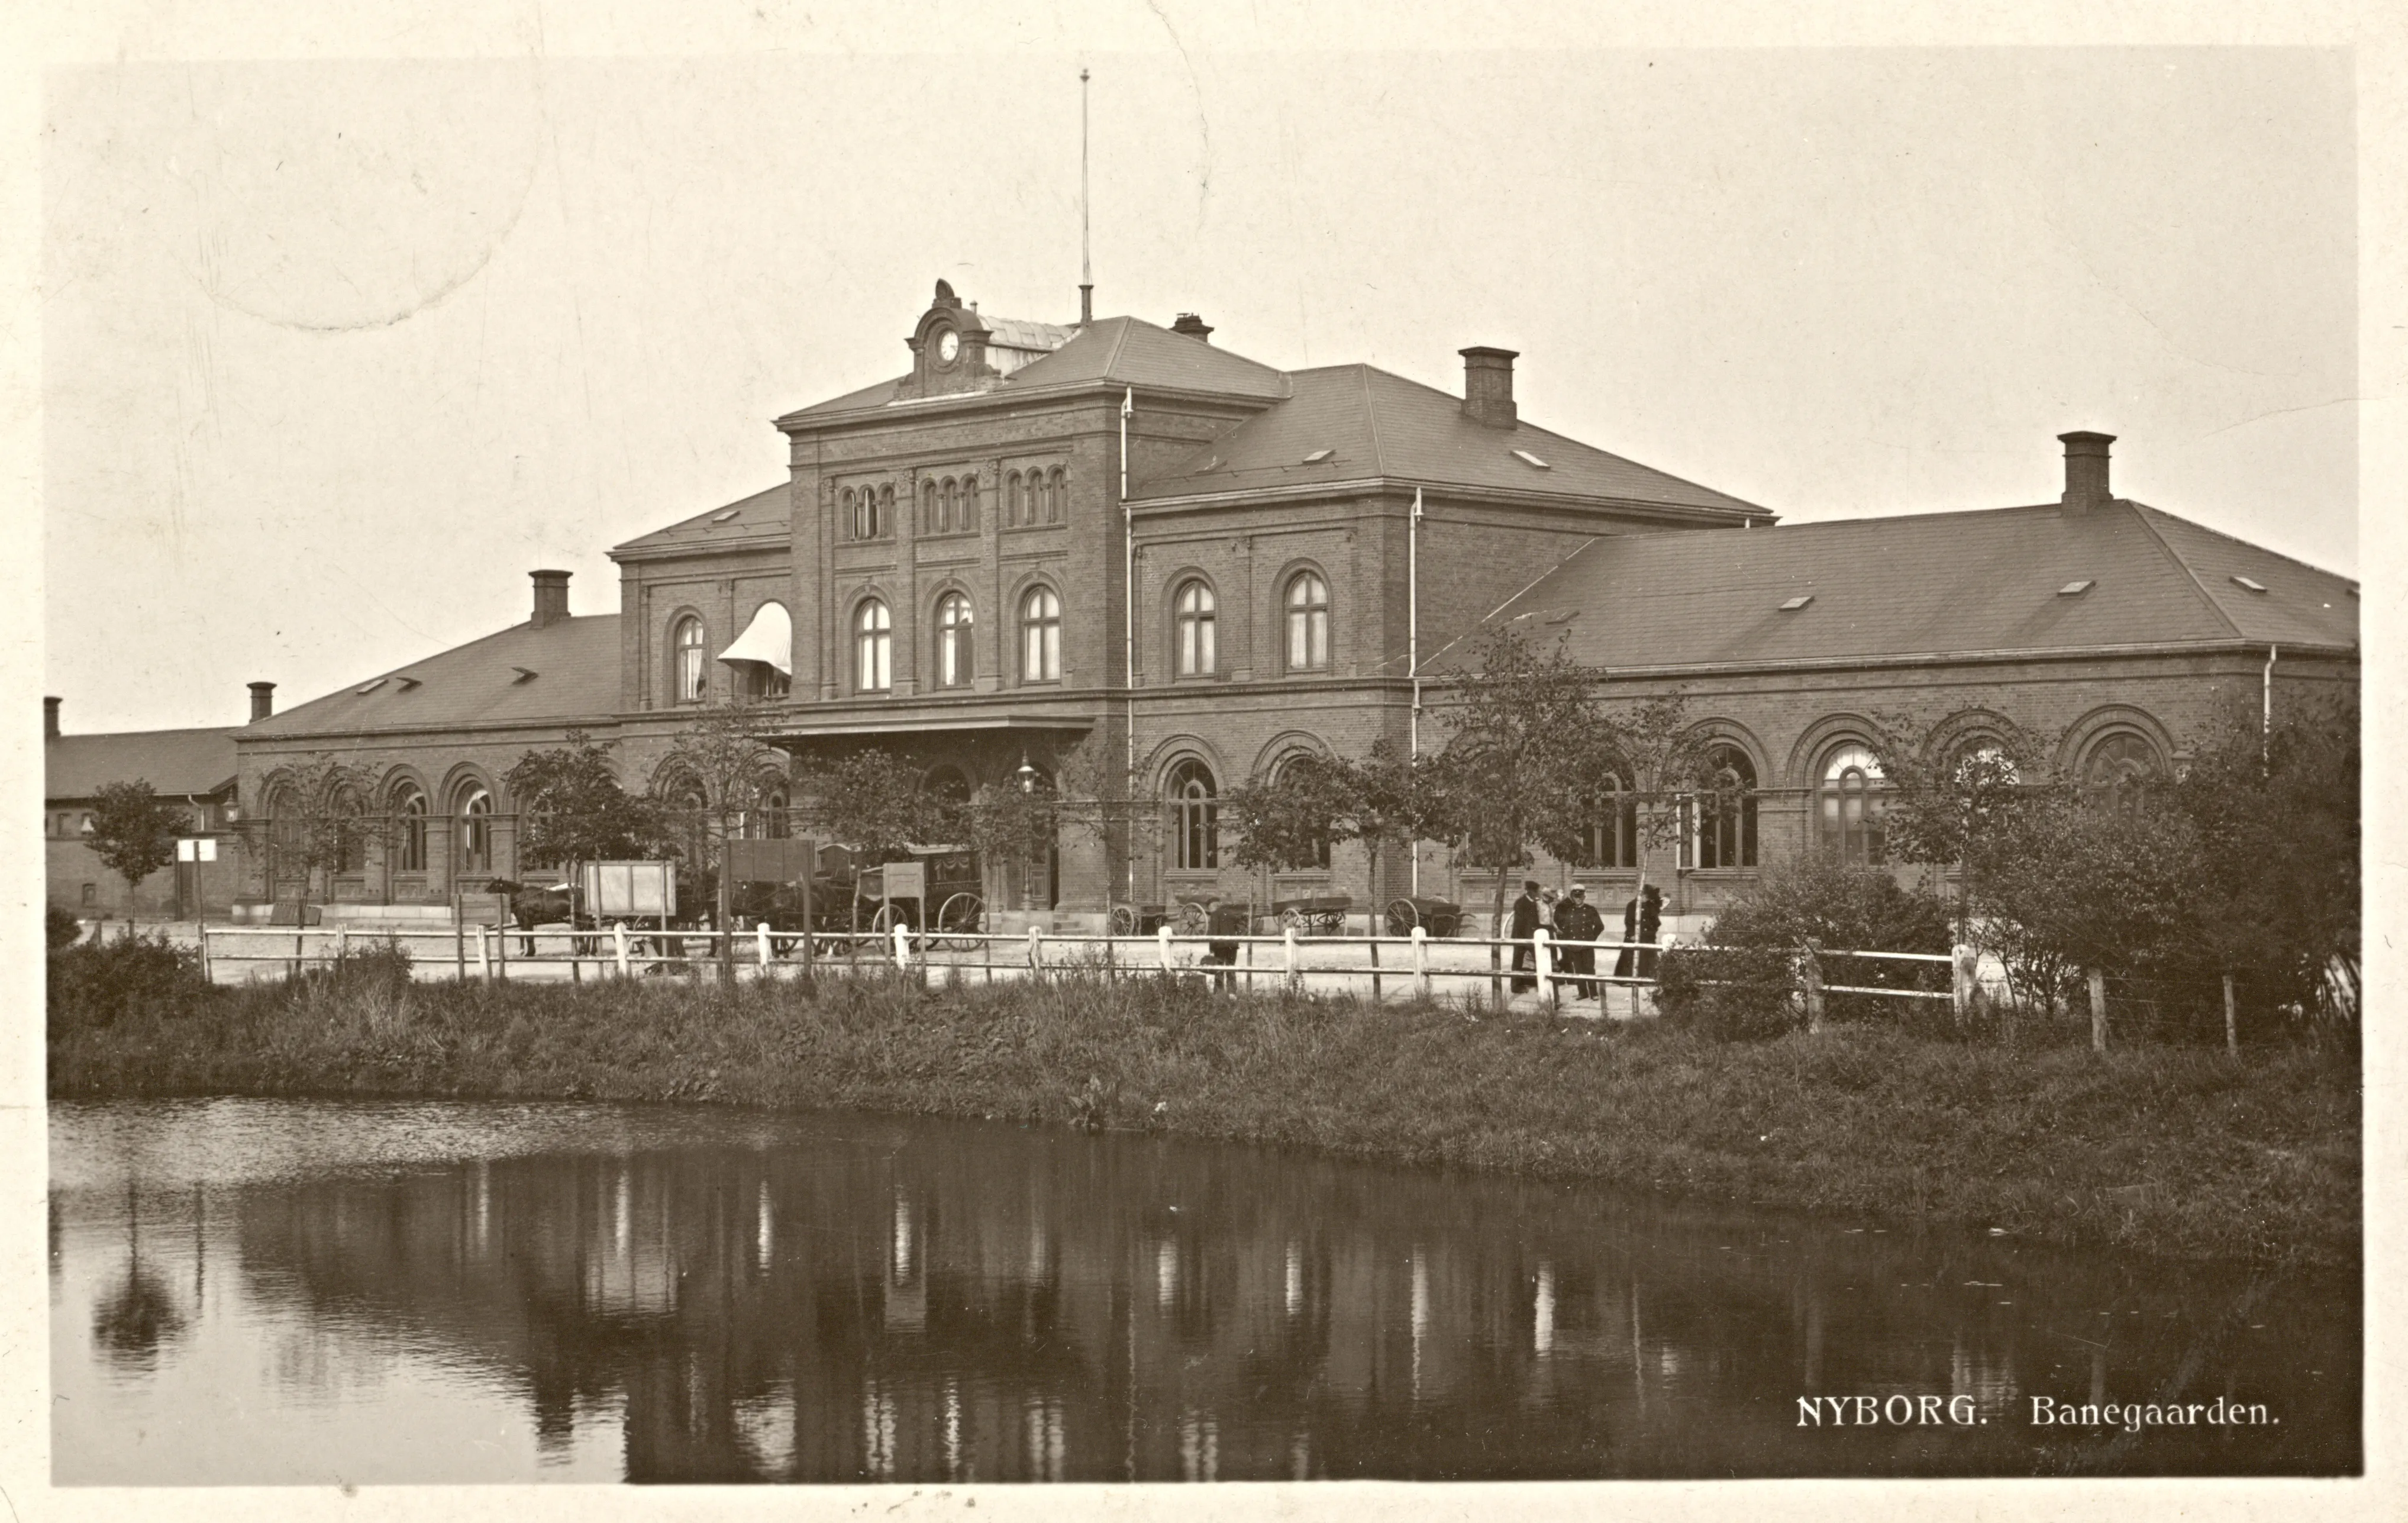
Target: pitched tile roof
column 173, row 761
column 1349, row 421
column 768, row 511
column 567, row 671
column 1935, row 583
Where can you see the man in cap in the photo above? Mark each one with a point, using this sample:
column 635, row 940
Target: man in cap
column 1527, row 920
column 1578, row 921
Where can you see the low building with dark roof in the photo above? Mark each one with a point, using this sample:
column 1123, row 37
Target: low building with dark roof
column 1122, row 556
column 193, row 768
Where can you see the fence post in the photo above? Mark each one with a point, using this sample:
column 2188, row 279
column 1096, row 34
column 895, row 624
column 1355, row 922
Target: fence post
column 1960, row 982
column 1036, row 953
column 761, row 942
column 206, row 977
column 2097, row 1011
column 902, row 944
column 1542, row 963
column 2231, row 1025
column 484, row 956
column 297, row 942
column 1810, row 970
column 1421, row 962
column 342, row 943
column 1374, row 928
column 1287, row 957
column 619, row 944
column 1162, row 939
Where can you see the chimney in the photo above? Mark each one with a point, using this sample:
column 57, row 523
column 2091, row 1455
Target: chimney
column 262, row 700
column 2085, row 471
column 551, row 597
column 1194, row 326
column 1488, row 385
column 49, row 719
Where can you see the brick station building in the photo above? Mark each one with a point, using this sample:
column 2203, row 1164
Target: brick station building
column 1119, row 551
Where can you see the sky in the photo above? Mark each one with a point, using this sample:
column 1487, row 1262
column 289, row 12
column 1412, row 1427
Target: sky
column 333, row 353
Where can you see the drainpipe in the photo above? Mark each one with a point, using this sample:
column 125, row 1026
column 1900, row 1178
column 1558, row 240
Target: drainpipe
column 2266, row 707
column 1414, row 654
column 1129, row 641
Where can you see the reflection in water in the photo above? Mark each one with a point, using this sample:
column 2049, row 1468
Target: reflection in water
column 449, row 1292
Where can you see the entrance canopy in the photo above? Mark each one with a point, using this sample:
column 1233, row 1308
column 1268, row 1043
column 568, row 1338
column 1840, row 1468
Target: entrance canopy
column 769, row 639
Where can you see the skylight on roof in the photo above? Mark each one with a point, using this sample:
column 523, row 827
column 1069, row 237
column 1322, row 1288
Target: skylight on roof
column 1213, row 464
column 525, row 674
column 1317, row 456
column 2075, row 589
column 1796, row 603
column 1529, row 459
column 2250, row 584
column 369, row 686
column 408, row 682
column 724, row 515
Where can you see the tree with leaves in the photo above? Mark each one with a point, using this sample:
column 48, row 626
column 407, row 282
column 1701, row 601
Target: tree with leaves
column 872, row 801
column 133, row 831
column 722, row 755
column 1946, row 807
column 573, row 808
column 317, row 823
column 1671, row 766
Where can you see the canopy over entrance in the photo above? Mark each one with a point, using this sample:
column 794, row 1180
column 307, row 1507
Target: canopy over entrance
column 768, row 639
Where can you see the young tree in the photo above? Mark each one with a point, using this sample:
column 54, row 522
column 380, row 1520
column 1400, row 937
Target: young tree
column 722, row 753
column 872, row 801
column 133, row 831
column 573, row 808
column 1287, row 821
column 1672, row 766
column 1946, row 808
column 317, row 823
column 1526, row 746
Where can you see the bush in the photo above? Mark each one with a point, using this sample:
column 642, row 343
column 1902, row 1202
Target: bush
column 60, row 928
column 98, row 984
column 1747, row 986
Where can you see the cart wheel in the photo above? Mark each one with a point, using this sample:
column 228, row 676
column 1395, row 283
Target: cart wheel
column 1402, row 917
column 1193, row 921
column 958, row 922
column 1123, row 920
column 882, row 924
column 1294, row 919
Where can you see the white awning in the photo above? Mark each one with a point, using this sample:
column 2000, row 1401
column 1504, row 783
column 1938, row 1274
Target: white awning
column 768, row 639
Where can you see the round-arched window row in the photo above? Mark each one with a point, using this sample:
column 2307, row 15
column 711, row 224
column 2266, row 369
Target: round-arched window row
column 869, row 512
column 949, row 505
column 1035, row 496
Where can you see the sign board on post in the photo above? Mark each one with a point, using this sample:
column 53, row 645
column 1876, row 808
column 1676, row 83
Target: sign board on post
column 897, row 881
column 196, row 848
column 622, row 890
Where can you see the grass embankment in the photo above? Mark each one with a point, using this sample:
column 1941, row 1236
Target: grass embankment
column 2257, row 1159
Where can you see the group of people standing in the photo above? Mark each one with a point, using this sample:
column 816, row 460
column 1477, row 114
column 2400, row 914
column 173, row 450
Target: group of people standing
column 1570, row 918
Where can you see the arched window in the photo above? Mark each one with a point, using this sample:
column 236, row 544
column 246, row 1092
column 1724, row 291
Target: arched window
column 947, row 499
column 1056, row 503
column 1012, row 499
column 881, row 520
column 1723, row 821
column 767, row 819
column 927, row 506
column 1320, row 858
column 1192, row 612
column 686, row 658
column 1610, row 838
column 1040, row 637
column 1195, row 817
column 410, row 815
column 1850, row 801
column 2119, row 768
column 969, row 503
column 476, row 828
column 1307, row 621
column 873, row 647
column 952, row 640
column 350, row 829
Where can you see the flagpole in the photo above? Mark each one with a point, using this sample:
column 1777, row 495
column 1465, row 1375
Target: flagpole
column 1413, row 651
column 1128, row 637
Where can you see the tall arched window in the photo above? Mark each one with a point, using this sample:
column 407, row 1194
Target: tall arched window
column 1040, row 637
column 1723, row 822
column 1056, row 502
column 686, row 654
column 2119, row 769
column 848, row 503
column 1850, row 801
column 1192, row 612
column 476, row 828
column 1195, row 817
column 410, row 815
column 1307, row 621
column 1011, row 510
column 952, row 640
column 873, row 647
column 1610, row 838
column 882, row 520
column 350, row 812
column 767, row 819
column 1320, row 858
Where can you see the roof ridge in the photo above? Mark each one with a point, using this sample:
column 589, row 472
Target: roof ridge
column 1120, row 342
column 2181, row 564
column 1372, row 419
column 1576, row 552
column 2235, row 540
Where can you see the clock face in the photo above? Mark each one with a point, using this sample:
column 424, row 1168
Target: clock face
column 949, row 344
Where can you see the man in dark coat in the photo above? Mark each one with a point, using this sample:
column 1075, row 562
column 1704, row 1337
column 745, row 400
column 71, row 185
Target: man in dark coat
column 1651, row 917
column 1629, row 934
column 1223, row 920
column 1577, row 921
column 1525, row 922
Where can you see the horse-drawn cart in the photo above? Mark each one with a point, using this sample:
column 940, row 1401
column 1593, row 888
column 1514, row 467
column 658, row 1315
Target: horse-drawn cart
column 1323, row 914
column 1435, row 916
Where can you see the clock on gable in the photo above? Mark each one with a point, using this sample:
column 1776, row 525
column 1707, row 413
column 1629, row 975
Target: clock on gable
column 949, row 346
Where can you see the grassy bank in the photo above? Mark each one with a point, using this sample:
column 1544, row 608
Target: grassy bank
column 2256, row 1160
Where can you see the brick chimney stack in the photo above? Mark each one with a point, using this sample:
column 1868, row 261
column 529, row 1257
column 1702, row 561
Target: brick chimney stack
column 551, row 597
column 1488, row 384
column 1192, row 326
column 49, row 719
column 262, row 700
column 2085, row 471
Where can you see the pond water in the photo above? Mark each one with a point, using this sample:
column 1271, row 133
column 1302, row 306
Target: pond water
column 267, row 1292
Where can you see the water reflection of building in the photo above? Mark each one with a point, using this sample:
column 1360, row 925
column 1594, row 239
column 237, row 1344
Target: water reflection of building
column 999, row 1306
